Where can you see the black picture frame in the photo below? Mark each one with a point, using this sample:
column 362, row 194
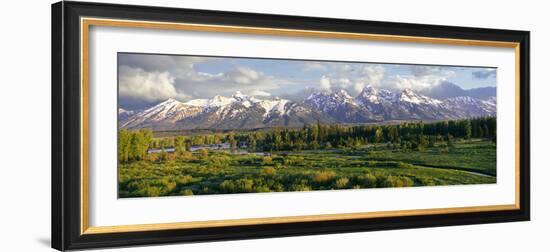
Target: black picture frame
column 66, row 114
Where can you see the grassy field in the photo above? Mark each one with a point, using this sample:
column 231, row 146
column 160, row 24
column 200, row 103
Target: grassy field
column 371, row 166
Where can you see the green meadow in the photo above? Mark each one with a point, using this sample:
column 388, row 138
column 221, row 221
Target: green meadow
column 369, row 159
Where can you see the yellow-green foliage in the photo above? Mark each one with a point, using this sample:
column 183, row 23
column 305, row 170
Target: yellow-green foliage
column 341, row 183
column 194, row 173
column 397, row 181
column 267, row 161
column 324, row 176
column 268, row 172
column 219, row 162
column 240, row 185
column 187, row 192
column 300, row 187
column 133, row 145
column 368, row 180
column 184, row 180
column 203, row 153
column 293, row 160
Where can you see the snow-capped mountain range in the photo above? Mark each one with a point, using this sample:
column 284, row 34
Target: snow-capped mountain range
column 243, row 111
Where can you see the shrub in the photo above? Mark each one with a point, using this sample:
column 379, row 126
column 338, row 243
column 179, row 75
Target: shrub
column 261, row 188
column 278, row 187
column 299, row 187
column 267, row 161
column 169, row 185
column 219, row 162
column 341, row 183
column 427, row 181
column 151, row 191
column 184, row 180
column 293, row 160
column 268, row 172
column 227, row 186
column 397, row 181
column 405, row 165
column 184, row 156
column 187, row 192
column 236, row 186
column 245, row 185
column 203, row 153
column 324, row 176
column 368, row 180
column 153, row 157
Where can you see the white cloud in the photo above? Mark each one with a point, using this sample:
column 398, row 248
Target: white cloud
column 375, row 74
column 426, row 80
column 358, row 86
column 148, row 86
column 314, row 66
column 259, row 93
column 325, row 83
column 345, row 68
column 151, row 78
column 188, row 82
column 244, row 75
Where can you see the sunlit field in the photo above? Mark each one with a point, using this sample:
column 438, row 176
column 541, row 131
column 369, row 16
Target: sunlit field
column 238, row 163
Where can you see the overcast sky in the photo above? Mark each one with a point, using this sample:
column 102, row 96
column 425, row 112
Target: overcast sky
column 146, row 79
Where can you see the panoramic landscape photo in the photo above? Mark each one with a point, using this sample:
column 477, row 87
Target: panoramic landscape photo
column 200, row 125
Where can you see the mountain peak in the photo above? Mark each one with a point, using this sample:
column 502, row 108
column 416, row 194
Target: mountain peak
column 368, row 88
column 371, row 94
column 408, row 95
column 238, row 94
column 408, row 91
column 171, row 100
column 367, row 91
column 342, row 93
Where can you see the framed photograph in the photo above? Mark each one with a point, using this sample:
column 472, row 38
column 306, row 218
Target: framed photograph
column 180, row 125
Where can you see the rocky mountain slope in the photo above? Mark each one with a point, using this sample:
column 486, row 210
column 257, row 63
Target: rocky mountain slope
column 242, row 111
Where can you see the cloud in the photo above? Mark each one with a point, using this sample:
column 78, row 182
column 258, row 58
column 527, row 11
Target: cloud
column 419, row 77
column 324, row 83
column 155, row 62
column 421, row 70
column 414, row 82
column 243, row 75
column 259, row 93
column 148, row 78
column 309, row 66
column 136, row 83
column 179, row 77
column 351, row 77
column 484, row 74
column 375, row 74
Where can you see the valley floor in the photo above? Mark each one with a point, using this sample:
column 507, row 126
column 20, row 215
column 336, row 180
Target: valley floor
column 372, row 166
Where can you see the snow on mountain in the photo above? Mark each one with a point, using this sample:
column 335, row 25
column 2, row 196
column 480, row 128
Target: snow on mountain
column 244, row 111
column 465, row 106
column 372, row 95
column 123, row 115
column 408, row 95
column 123, row 112
column 276, row 106
column 327, row 101
column 340, row 106
column 165, row 112
column 238, row 111
column 491, row 101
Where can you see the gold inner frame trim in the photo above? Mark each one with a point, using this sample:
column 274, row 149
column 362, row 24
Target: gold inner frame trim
column 86, row 23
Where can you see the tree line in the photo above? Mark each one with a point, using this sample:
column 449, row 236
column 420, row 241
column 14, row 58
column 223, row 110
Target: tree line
column 410, row 133
column 133, row 145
